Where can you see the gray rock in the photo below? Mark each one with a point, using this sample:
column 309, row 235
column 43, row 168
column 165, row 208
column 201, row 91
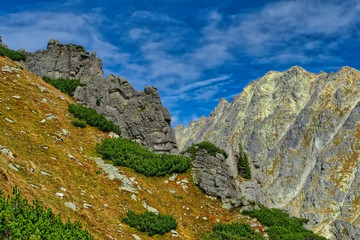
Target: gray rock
column 70, row 205
column 2, row 44
column 344, row 230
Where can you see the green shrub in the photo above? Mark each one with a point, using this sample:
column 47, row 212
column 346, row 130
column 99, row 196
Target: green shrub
column 124, row 152
column 80, row 48
column 98, row 172
column 150, row 222
column 233, row 231
column 281, row 226
column 178, row 196
column 243, row 164
column 13, row 55
column 209, row 147
column 93, row 118
column 79, row 123
column 67, row 86
column 21, row 220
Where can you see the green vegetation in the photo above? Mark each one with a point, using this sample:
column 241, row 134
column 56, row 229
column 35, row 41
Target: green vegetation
column 98, row 172
column 21, row 220
column 281, row 226
column 79, row 123
column 80, row 48
column 209, row 147
column 67, row 86
column 93, row 118
column 124, row 152
column 150, row 222
column 178, row 196
column 233, row 231
column 13, row 55
column 98, row 102
column 243, row 164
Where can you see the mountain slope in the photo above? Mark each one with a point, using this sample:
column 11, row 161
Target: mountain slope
column 301, row 133
column 50, row 159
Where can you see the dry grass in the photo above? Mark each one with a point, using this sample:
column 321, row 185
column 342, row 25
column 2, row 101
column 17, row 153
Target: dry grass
column 42, row 146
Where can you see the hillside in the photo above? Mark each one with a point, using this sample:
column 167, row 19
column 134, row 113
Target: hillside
column 50, row 159
column 301, row 133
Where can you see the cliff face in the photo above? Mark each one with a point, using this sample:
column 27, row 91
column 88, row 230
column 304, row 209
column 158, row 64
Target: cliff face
column 301, row 132
column 140, row 115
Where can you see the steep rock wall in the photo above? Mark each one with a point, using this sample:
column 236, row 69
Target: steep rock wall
column 140, row 115
column 301, row 132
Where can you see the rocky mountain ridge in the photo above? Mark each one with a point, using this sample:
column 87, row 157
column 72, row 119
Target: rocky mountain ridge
column 301, row 132
column 140, row 115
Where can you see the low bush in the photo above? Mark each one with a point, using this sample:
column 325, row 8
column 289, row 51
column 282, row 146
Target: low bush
column 233, row 231
column 93, row 118
column 150, row 222
column 79, row 123
column 13, row 55
column 124, row 152
column 67, row 86
column 209, row 147
column 281, row 226
column 21, row 220
column 243, row 164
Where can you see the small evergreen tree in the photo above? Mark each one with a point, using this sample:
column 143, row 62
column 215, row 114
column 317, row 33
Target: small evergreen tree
column 243, row 164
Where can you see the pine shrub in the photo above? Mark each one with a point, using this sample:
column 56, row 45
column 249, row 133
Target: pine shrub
column 13, row 55
column 79, row 123
column 243, row 164
column 67, row 86
column 22, row 220
column 124, row 152
column 208, row 146
column 150, row 222
column 93, row 118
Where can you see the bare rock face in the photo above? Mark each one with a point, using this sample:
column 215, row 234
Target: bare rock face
column 140, row 115
column 212, row 176
column 64, row 61
column 2, row 44
column 301, row 133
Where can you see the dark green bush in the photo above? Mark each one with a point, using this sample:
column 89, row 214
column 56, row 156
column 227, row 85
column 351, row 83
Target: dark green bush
column 80, row 48
column 178, row 196
column 93, row 118
column 21, row 220
column 233, row 231
column 281, row 226
column 13, row 55
column 243, row 164
column 79, row 123
column 124, row 152
column 209, row 147
column 150, row 222
column 67, row 86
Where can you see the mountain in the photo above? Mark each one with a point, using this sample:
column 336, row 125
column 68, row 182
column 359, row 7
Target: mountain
column 301, row 133
column 139, row 114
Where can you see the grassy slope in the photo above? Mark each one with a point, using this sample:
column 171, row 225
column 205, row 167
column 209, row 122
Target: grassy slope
column 28, row 139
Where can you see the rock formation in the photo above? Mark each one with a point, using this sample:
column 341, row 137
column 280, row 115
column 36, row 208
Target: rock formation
column 2, row 44
column 301, row 133
column 140, row 115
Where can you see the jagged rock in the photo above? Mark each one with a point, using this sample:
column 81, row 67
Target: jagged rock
column 212, row 175
column 64, row 61
column 300, row 132
column 140, row 115
column 70, row 205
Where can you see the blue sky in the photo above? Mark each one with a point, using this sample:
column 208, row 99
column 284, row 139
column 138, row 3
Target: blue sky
column 194, row 51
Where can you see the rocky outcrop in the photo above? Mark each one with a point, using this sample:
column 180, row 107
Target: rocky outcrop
column 301, row 133
column 2, row 44
column 212, row 175
column 64, row 61
column 140, row 115
column 344, row 230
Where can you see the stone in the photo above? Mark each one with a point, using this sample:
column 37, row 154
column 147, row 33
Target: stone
column 9, row 120
column 13, row 167
column 45, row 173
column 6, row 151
column 6, row 68
column 133, row 197
column 16, row 97
column 174, row 233
column 149, row 208
column 63, row 189
column 59, row 194
column 70, row 156
column 70, row 205
column 136, row 237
